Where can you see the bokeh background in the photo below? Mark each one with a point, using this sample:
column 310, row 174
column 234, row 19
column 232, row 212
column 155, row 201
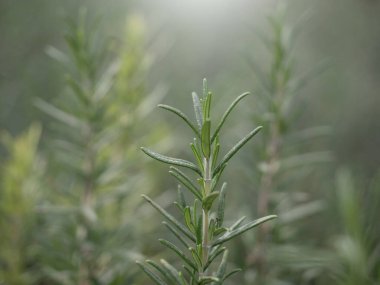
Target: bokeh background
column 79, row 82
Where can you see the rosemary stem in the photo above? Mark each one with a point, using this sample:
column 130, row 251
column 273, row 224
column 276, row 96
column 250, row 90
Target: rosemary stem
column 205, row 212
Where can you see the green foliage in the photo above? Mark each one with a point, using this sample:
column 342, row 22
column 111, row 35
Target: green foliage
column 20, row 178
column 203, row 233
column 88, row 236
column 283, row 170
column 357, row 258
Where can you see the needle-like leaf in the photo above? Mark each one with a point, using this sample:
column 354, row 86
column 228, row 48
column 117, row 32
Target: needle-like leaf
column 170, row 218
column 151, row 274
column 181, row 115
column 174, row 248
column 225, row 115
column 236, row 148
column 197, row 110
column 171, row 160
column 242, row 229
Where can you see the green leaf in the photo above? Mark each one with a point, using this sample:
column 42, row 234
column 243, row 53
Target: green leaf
column 195, row 210
column 221, row 205
column 222, row 267
column 205, row 88
column 170, row 218
column 171, row 270
column 236, row 148
column 209, row 200
column 196, row 257
column 228, row 111
column 185, row 180
column 197, row 110
column 189, row 223
column 208, row 279
column 183, row 281
column 232, row 273
column 181, row 198
column 207, row 106
column 78, row 90
column 176, row 234
column 219, row 231
column 211, row 228
column 199, row 229
column 161, row 270
column 190, row 272
column 205, row 138
column 197, row 155
column 60, row 115
column 237, row 223
column 216, row 178
column 242, row 229
column 171, row 160
column 214, row 255
column 182, row 116
column 215, row 153
column 151, row 274
column 174, row 248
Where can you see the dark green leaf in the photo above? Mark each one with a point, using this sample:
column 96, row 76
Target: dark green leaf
column 215, row 153
column 232, row 273
column 207, row 106
column 185, row 180
column 188, row 221
column 171, row 160
column 171, row 270
column 236, row 148
column 182, row 116
column 209, row 200
column 228, row 111
column 221, row 205
column 151, row 274
column 223, row 266
column 161, row 270
column 196, row 257
column 170, row 218
column 176, row 234
column 214, row 255
column 205, row 138
column 174, row 248
column 242, row 229
column 197, row 155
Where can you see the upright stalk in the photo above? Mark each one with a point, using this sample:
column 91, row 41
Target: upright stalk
column 205, row 212
column 203, row 233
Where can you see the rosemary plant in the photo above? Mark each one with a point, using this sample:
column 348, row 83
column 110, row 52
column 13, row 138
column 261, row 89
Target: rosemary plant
column 203, row 233
column 282, row 169
column 20, row 178
column 88, row 237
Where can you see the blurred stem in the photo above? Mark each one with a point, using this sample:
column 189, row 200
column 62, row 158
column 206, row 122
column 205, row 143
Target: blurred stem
column 272, row 153
column 87, row 202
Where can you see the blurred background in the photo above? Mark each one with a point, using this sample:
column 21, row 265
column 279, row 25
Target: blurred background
column 79, row 82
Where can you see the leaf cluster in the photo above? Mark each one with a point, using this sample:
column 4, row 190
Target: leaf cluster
column 202, row 234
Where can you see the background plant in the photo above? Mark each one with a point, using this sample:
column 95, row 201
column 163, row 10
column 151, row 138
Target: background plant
column 88, row 236
column 203, row 234
column 289, row 154
column 20, row 179
column 356, row 259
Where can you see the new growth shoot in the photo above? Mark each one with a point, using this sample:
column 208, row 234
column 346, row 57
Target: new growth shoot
column 203, row 233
